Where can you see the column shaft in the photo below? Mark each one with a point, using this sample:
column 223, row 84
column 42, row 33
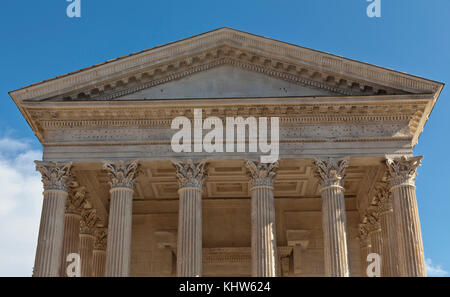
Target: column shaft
column 51, row 230
column 331, row 173
column 389, row 264
column 98, row 263
column 365, row 251
column 189, row 250
column 264, row 245
column 409, row 235
column 335, row 232
column 119, row 233
column 118, row 252
column 86, row 254
column 190, row 176
column 71, row 241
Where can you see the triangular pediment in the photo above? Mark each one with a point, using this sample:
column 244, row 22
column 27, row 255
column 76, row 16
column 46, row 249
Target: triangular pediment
column 226, row 81
column 205, row 61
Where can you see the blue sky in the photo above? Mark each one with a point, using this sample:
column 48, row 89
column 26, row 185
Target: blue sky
column 38, row 41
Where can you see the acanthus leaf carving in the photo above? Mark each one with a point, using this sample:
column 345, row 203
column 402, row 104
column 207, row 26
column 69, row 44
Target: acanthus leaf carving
column 101, row 239
column 190, row 174
column 122, row 173
column 89, row 219
column 76, row 199
column 262, row 174
column 402, row 170
column 55, row 175
column 331, row 172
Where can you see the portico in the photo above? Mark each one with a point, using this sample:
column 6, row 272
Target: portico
column 343, row 187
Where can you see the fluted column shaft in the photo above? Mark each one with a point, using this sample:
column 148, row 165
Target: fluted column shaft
column 72, row 219
column 335, row 232
column 376, row 243
column 98, row 263
column 86, row 254
column 264, row 239
column 99, row 254
column 189, row 250
column 190, row 176
column 389, row 264
column 118, row 252
column 365, row 245
column 409, row 235
column 264, row 245
column 71, row 241
column 334, row 222
column 55, row 177
column 51, row 230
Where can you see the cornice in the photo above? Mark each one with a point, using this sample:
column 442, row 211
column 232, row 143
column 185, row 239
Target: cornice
column 228, row 37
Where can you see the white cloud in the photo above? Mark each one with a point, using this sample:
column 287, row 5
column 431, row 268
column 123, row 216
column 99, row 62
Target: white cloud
column 434, row 270
column 20, row 206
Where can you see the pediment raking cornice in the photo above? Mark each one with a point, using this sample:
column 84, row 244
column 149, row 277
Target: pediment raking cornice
column 311, row 66
column 174, row 70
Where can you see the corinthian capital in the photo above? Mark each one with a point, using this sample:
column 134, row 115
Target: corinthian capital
column 402, row 170
column 331, row 172
column 373, row 220
column 76, row 199
column 101, row 238
column 55, row 175
column 88, row 221
column 262, row 174
column 190, row 174
column 383, row 198
column 122, row 173
column 364, row 238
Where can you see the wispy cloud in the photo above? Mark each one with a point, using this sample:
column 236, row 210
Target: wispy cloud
column 434, row 269
column 20, row 206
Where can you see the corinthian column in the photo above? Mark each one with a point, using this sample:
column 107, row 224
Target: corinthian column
column 264, row 239
column 331, row 175
column 72, row 218
column 55, row 177
column 409, row 236
column 189, row 250
column 99, row 255
column 389, row 263
column 122, row 177
column 87, row 227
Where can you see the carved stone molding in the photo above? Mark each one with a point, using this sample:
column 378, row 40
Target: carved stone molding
column 242, row 46
column 55, row 175
column 122, row 173
column 101, row 239
column 89, row 219
column 402, row 170
column 331, row 172
column 190, row 174
column 262, row 174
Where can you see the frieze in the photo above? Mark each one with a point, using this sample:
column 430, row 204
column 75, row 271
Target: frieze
column 293, row 133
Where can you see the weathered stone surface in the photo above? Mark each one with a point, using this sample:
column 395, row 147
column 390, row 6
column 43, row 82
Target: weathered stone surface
column 328, row 107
